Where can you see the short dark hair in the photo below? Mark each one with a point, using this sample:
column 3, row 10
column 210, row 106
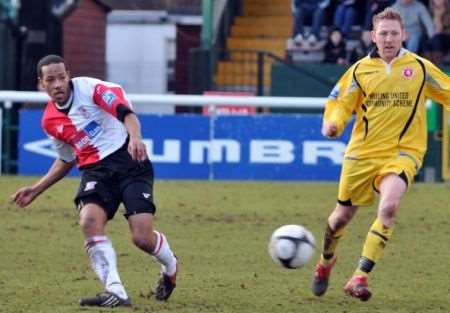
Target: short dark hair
column 49, row 59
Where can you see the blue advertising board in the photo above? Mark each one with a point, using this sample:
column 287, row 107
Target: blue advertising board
column 252, row 147
column 35, row 150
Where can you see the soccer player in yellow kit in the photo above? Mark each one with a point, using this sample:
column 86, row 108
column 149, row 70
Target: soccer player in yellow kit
column 387, row 91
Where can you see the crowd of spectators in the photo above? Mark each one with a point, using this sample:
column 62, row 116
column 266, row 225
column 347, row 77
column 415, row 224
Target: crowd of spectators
column 333, row 24
column 308, row 9
column 439, row 44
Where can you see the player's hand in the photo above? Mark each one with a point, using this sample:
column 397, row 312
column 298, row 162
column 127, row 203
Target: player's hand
column 137, row 149
column 24, row 196
column 329, row 129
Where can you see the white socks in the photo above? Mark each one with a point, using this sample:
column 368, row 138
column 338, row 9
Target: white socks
column 164, row 254
column 104, row 263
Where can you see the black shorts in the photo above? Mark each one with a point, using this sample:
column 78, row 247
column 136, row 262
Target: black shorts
column 118, row 179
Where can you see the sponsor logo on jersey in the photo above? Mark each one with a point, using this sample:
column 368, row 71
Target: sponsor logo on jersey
column 109, row 97
column 83, row 138
column 92, row 129
column 408, row 73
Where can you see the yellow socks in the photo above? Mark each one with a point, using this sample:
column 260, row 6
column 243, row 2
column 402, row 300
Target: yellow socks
column 373, row 247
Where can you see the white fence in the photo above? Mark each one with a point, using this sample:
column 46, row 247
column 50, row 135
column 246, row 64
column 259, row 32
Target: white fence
column 9, row 97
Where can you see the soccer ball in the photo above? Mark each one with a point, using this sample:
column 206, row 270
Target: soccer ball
column 292, row 246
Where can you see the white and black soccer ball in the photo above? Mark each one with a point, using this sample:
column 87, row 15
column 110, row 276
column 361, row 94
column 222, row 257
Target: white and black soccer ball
column 292, row 246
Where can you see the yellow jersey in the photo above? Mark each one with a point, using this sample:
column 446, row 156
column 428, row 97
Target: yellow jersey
column 389, row 102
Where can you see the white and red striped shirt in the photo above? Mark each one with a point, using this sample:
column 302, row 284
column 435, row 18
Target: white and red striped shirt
column 90, row 130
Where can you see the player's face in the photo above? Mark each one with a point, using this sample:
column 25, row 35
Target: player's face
column 388, row 36
column 55, row 81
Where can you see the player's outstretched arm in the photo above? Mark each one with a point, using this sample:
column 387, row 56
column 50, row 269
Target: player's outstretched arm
column 25, row 195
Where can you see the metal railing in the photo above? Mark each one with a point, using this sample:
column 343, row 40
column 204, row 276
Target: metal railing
column 239, row 70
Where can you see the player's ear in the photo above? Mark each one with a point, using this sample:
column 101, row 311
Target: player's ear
column 39, row 85
column 372, row 35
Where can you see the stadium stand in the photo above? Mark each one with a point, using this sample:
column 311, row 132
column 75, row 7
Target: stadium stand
column 264, row 25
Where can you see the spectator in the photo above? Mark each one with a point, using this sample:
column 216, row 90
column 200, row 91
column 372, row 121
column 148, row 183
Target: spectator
column 362, row 48
column 416, row 17
column 374, row 7
column 335, row 48
column 439, row 45
column 308, row 8
column 344, row 16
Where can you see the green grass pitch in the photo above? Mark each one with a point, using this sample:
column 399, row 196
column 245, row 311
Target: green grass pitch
column 220, row 231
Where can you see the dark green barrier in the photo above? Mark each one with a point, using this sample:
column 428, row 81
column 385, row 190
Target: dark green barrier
column 310, row 80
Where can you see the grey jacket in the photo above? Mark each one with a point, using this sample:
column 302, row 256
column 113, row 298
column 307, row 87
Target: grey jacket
column 416, row 17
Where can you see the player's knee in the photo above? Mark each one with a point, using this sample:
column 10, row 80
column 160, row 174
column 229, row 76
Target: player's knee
column 143, row 242
column 90, row 226
column 388, row 209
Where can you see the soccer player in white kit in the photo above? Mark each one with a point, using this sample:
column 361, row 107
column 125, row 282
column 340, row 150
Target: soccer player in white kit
column 93, row 126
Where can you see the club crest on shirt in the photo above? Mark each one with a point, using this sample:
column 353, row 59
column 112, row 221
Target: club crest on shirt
column 408, row 73
column 109, row 97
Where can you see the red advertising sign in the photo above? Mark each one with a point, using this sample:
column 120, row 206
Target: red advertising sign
column 225, row 109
